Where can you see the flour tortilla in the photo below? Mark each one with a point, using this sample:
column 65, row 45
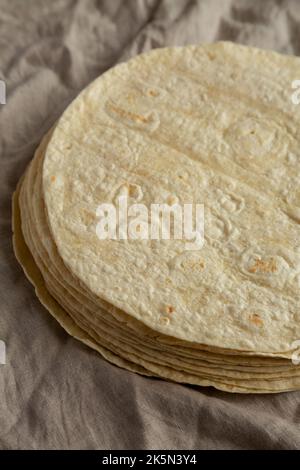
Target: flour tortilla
column 76, row 169
column 206, row 124
column 60, row 272
column 26, row 260
column 43, row 236
column 33, row 190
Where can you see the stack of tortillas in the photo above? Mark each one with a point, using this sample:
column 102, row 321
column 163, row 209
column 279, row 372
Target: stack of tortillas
column 213, row 125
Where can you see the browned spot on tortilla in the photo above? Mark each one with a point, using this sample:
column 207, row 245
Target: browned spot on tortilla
column 201, row 264
column 256, row 320
column 132, row 190
column 129, row 115
column 53, row 178
column 169, row 309
column 172, row 199
column 153, row 93
column 264, row 266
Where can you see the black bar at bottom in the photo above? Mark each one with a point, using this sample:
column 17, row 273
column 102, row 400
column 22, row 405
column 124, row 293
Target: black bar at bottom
column 137, row 458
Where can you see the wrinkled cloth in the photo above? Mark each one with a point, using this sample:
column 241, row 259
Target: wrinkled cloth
column 55, row 392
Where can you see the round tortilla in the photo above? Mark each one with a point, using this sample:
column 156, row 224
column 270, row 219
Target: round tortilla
column 237, row 348
column 198, row 124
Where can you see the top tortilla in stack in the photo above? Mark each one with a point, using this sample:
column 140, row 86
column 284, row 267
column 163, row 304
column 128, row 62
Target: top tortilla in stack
column 210, row 124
